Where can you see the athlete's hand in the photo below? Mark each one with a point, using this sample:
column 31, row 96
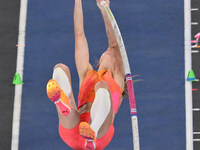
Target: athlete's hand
column 99, row 5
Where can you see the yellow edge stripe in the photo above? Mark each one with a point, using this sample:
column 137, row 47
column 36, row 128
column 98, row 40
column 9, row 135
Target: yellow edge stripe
column 109, row 13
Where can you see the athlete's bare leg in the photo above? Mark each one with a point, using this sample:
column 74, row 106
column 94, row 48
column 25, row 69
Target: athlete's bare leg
column 101, row 113
column 71, row 120
column 109, row 119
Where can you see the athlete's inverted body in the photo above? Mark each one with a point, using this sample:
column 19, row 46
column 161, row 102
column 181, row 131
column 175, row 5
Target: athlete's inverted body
column 90, row 125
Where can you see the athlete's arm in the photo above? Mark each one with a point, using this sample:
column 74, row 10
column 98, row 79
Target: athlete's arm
column 112, row 41
column 118, row 71
column 81, row 45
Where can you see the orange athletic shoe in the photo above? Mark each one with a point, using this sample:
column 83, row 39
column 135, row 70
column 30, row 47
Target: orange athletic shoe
column 57, row 95
column 88, row 134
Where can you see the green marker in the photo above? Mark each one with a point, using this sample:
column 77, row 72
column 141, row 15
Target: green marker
column 17, row 79
column 191, row 76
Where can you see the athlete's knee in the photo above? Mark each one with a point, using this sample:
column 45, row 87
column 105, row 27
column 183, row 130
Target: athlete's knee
column 62, row 66
column 102, row 84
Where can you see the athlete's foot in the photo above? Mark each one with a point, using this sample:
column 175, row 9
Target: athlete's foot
column 57, row 95
column 88, row 134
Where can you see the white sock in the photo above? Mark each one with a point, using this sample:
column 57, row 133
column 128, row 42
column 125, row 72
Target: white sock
column 60, row 76
column 100, row 109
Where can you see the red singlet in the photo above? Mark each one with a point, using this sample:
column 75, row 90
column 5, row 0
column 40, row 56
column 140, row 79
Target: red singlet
column 87, row 94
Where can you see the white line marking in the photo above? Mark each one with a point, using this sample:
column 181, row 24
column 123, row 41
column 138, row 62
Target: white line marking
column 188, row 85
column 196, row 132
column 19, row 69
column 196, row 140
column 196, row 109
column 194, row 23
column 194, row 9
column 195, row 51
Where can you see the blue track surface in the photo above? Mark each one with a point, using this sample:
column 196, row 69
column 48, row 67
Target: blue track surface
column 153, row 33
